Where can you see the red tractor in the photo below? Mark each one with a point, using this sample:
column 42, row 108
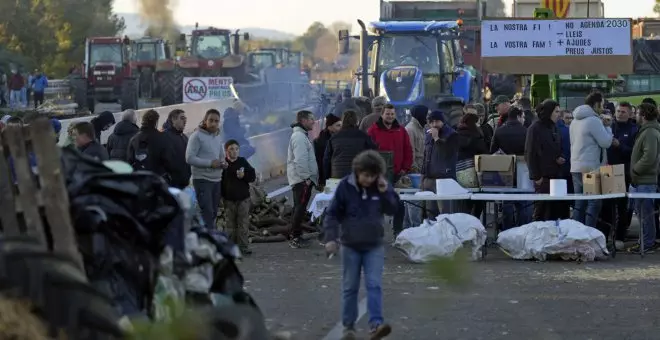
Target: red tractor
column 207, row 53
column 106, row 75
column 150, row 57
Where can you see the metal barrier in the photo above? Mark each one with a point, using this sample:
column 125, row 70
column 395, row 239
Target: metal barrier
column 57, row 87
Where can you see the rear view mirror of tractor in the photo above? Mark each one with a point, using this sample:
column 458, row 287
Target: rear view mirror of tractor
column 344, row 41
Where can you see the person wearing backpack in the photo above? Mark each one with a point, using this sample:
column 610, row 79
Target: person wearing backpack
column 148, row 149
column 206, row 157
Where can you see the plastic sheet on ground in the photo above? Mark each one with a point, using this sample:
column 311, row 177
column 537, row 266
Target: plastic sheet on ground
column 442, row 238
column 565, row 239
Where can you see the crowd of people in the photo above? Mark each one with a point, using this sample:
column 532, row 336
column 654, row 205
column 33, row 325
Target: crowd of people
column 19, row 90
column 371, row 154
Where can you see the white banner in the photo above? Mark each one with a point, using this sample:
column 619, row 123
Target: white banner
column 555, row 38
column 201, row 89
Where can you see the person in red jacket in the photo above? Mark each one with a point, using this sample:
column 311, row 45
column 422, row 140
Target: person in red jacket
column 391, row 137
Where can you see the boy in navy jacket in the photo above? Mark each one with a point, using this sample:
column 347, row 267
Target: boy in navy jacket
column 361, row 199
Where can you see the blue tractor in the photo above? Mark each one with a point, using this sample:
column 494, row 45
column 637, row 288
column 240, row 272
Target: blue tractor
column 411, row 63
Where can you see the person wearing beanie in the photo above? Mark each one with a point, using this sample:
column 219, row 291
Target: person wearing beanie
column 440, row 157
column 332, row 126
column 377, row 106
column 57, row 127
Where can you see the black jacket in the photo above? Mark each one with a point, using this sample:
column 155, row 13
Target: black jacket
column 319, row 150
column 96, row 150
column 510, row 137
column 342, row 148
column 487, row 130
column 120, row 138
column 530, row 118
column 542, row 148
column 625, row 132
column 105, row 118
column 177, row 143
column 159, row 154
column 233, row 188
column 471, row 142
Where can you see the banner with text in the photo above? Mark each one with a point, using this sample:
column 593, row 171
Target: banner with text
column 201, row 89
column 568, row 46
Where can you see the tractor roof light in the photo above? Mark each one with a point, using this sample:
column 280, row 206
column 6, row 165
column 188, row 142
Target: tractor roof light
column 459, row 22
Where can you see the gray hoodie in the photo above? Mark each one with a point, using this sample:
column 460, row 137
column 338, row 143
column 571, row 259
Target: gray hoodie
column 589, row 140
column 203, row 148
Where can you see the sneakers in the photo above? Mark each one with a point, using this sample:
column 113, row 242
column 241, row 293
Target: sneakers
column 297, row 243
column 380, row 331
column 245, row 251
column 647, row 250
column 349, row 334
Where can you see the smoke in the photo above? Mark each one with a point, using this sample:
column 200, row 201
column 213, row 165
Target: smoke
column 159, row 17
column 495, row 9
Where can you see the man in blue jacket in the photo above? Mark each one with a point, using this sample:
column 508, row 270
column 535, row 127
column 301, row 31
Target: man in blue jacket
column 39, row 85
column 563, row 125
column 624, row 130
column 361, row 199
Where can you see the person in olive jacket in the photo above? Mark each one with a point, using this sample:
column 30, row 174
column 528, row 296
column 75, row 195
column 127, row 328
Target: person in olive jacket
column 543, row 154
column 332, row 125
column 644, row 164
column 344, row 146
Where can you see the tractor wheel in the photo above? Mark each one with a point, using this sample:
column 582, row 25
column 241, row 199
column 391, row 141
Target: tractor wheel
column 79, row 92
column 64, row 304
column 129, row 94
column 171, row 87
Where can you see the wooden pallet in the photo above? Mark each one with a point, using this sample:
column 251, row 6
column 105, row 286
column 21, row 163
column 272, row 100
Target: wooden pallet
column 29, row 200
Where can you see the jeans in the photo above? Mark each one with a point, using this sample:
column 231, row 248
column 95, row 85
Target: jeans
column 413, row 216
column 644, row 209
column 14, row 99
column 353, row 263
column 515, row 214
column 208, row 200
column 585, row 211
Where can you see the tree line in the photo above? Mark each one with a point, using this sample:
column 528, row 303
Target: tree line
column 49, row 35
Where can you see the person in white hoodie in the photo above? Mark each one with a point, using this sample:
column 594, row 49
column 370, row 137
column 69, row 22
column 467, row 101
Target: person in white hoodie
column 206, row 157
column 589, row 142
column 302, row 173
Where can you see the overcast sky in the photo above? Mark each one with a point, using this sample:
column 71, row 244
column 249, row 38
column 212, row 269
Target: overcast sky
column 295, row 16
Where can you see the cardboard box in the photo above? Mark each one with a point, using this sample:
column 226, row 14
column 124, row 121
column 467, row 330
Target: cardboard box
column 613, row 179
column 496, row 171
column 591, row 183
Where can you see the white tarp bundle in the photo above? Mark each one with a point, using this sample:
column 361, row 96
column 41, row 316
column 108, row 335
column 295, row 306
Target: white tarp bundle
column 442, row 237
column 567, row 239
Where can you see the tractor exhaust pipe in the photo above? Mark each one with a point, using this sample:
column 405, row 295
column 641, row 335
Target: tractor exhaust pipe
column 237, row 41
column 364, row 58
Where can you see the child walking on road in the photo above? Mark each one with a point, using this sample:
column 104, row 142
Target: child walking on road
column 235, row 188
column 361, row 199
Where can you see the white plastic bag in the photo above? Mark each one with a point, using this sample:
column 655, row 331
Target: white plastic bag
column 442, row 237
column 568, row 239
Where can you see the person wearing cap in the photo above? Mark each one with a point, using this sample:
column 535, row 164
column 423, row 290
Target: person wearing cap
column 332, row 126
column 440, row 157
column 502, row 105
column 377, row 106
column 102, row 122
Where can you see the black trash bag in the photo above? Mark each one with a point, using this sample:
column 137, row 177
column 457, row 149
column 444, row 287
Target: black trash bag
column 121, row 221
